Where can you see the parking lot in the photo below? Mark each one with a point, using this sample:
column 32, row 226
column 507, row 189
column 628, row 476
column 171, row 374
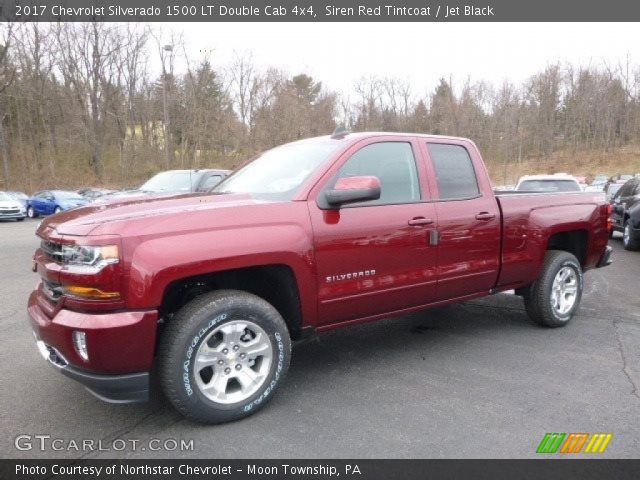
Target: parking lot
column 469, row 380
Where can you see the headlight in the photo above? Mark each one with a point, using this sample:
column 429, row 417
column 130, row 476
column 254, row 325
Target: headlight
column 90, row 256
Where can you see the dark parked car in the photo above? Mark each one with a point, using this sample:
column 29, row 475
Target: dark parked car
column 175, row 181
column 184, row 181
column 47, row 202
column 93, row 193
column 631, row 232
column 612, row 188
column 625, row 201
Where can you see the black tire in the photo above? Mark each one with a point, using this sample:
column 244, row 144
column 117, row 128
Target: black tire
column 538, row 297
column 187, row 331
column 630, row 240
column 31, row 213
column 57, row 210
column 20, row 219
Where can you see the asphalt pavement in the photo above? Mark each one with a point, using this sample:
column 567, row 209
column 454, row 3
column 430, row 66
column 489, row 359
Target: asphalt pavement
column 473, row 380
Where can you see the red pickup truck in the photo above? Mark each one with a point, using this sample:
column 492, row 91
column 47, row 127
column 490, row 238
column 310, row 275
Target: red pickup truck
column 209, row 290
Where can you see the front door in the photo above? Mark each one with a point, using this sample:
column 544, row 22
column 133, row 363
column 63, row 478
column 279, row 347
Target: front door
column 374, row 257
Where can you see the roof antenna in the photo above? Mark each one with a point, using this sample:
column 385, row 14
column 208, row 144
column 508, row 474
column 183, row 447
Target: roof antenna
column 339, row 133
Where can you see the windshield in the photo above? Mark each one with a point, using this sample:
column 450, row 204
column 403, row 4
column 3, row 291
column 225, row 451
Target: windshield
column 68, row 196
column 169, row 182
column 278, row 173
column 549, row 186
column 4, row 197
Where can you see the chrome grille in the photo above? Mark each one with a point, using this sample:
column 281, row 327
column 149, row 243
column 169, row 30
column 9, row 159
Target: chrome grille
column 52, row 250
column 53, row 291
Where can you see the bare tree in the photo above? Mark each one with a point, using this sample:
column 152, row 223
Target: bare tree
column 90, row 53
column 7, row 75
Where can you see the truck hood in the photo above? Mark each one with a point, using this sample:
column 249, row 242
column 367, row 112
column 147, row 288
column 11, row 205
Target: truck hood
column 112, row 217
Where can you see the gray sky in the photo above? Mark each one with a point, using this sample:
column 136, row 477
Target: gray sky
column 340, row 53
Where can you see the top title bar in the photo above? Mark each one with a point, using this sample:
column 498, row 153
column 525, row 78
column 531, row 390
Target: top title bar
column 319, row 11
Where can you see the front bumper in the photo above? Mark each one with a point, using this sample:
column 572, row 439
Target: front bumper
column 120, row 345
column 12, row 215
column 128, row 388
column 605, row 259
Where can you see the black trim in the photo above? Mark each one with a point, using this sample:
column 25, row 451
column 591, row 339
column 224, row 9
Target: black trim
column 128, row 388
column 307, row 334
column 606, row 257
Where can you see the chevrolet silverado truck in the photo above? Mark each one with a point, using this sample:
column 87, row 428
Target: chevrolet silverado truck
column 208, row 291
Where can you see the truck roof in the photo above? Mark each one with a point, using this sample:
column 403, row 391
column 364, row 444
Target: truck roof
column 399, row 134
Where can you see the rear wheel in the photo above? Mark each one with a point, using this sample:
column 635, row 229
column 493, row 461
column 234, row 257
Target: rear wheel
column 57, row 210
column 552, row 300
column 31, row 213
column 630, row 240
column 223, row 355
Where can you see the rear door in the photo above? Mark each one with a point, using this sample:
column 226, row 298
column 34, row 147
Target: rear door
column 468, row 219
column 374, row 257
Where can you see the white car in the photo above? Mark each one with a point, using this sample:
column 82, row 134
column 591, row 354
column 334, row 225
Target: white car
column 11, row 208
column 548, row 183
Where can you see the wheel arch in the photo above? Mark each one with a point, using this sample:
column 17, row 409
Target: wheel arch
column 275, row 283
column 572, row 241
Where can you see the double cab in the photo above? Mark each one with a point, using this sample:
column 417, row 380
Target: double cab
column 209, row 290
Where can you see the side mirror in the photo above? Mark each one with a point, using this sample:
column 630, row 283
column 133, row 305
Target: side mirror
column 353, row 189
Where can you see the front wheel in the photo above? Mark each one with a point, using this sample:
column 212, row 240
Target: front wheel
column 57, row 210
column 223, row 355
column 630, row 240
column 553, row 299
column 31, row 213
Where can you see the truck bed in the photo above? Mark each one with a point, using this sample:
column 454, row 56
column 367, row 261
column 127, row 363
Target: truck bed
column 531, row 221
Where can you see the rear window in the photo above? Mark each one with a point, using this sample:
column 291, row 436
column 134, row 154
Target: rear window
column 549, row 186
column 454, row 171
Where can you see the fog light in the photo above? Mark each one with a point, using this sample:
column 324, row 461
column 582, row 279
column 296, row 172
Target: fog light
column 42, row 348
column 80, row 342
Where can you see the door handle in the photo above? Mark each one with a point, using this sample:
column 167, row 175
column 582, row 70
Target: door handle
column 485, row 216
column 420, row 221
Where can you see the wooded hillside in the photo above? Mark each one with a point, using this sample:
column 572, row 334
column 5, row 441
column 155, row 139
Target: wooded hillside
column 80, row 106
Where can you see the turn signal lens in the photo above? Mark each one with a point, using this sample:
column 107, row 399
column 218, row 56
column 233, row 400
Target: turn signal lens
column 90, row 293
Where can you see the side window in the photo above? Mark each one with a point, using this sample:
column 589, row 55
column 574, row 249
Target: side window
column 636, row 191
column 454, row 171
column 395, row 166
column 626, row 189
column 210, row 182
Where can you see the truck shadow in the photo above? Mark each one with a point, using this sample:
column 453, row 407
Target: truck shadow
column 429, row 334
